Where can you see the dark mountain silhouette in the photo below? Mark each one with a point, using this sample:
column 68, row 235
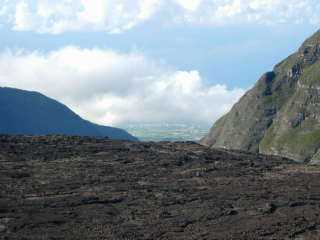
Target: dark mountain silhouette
column 25, row 112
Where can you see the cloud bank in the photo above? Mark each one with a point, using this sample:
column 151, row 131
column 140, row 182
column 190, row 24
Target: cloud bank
column 116, row 88
column 115, row 16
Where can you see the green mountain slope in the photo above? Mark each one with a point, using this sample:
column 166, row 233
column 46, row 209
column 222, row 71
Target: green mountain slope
column 280, row 115
column 24, row 112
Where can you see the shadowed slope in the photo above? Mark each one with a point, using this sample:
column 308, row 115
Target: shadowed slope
column 24, row 112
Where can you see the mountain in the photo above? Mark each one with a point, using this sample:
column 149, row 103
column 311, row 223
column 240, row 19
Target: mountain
column 24, row 112
column 280, row 115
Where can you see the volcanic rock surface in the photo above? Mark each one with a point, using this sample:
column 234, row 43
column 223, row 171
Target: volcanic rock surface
column 59, row 187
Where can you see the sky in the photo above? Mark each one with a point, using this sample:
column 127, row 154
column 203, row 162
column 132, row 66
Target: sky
column 117, row 62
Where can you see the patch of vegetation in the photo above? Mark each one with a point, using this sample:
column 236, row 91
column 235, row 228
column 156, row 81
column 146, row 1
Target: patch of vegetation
column 269, row 136
column 311, row 75
column 302, row 141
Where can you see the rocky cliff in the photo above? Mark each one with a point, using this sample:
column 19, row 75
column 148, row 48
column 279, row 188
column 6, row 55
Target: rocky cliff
column 280, row 115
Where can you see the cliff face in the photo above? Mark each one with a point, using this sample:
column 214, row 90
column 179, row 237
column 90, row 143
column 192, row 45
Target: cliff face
column 280, row 115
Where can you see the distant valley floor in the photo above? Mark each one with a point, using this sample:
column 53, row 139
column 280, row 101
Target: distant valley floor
column 82, row 188
column 167, row 132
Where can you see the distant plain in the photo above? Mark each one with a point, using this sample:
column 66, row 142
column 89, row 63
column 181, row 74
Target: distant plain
column 167, row 132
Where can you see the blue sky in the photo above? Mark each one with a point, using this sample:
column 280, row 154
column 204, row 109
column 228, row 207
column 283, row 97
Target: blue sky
column 148, row 60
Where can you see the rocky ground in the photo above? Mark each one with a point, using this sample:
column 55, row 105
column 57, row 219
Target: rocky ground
column 82, row 188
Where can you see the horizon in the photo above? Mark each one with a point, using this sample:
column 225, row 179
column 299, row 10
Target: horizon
column 122, row 63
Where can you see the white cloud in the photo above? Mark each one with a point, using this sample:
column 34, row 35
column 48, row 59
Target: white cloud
column 115, row 16
column 112, row 88
column 24, row 19
column 58, row 16
column 190, row 5
column 268, row 11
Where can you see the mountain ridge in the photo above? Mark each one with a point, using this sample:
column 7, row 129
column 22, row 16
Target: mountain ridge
column 279, row 114
column 30, row 112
